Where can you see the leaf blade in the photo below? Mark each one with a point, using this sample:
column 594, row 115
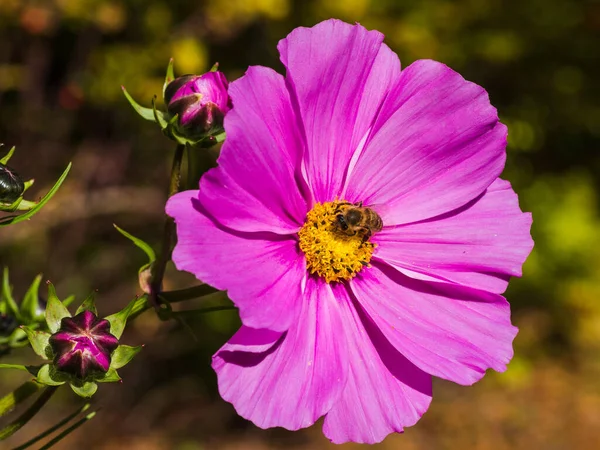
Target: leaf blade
column 146, row 113
column 55, row 310
column 30, row 306
column 20, row 218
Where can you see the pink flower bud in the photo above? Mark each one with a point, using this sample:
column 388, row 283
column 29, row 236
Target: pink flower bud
column 201, row 101
column 83, row 345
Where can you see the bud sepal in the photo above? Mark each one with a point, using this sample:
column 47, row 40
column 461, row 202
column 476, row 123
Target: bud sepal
column 196, row 106
column 144, row 272
column 13, row 314
column 12, row 189
column 83, row 349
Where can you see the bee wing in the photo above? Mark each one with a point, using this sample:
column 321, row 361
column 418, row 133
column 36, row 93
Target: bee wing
column 381, row 209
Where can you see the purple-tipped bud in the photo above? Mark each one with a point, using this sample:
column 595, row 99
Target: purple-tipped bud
column 7, row 324
column 201, row 101
column 83, row 345
column 11, row 184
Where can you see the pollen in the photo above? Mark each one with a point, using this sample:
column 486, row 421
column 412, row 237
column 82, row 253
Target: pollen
column 331, row 253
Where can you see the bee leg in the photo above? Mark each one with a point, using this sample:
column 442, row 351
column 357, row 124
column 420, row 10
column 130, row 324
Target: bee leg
column 367, row 234
column 359, row 204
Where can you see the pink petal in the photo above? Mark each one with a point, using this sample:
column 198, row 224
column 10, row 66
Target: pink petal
column 446, row 330
column 255, row 186
column 385, row 392
column 338, row 75
column 299, row 378
column 262, row 272
column 437, row 144
column 480, row 245
column 253, row 340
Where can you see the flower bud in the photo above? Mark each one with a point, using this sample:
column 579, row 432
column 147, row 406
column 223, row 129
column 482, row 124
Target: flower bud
column 7, row 325
column 83, row 345
column 201, row 101
column 11, row 185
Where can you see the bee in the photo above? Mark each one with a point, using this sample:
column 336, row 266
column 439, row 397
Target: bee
column 354, row 218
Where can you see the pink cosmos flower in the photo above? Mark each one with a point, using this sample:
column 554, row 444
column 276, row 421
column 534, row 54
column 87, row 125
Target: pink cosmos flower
column 348, row 323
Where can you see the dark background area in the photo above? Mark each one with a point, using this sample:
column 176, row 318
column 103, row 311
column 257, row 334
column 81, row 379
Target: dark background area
column 62, row 63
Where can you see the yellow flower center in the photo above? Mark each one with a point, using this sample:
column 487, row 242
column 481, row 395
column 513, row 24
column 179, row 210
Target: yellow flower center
column 330, row 252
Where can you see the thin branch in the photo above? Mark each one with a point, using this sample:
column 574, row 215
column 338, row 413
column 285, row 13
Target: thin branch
column 188, row 294
column 15, row 426
column 68, row 431
column 22, row 393
column 53, row 428
column 159, row 266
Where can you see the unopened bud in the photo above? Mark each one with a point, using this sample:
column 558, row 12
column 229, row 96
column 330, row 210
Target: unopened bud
column 11, row 185
column 200, row 101
column 7, row 325
column 83, row 345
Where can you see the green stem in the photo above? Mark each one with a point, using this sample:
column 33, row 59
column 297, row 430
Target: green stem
column 22, row 393
column 14, row 366
column 201, row 159
column 159, row 266
column 53, row 428
column 188, row 294
column 15, row 426
column 68, row 431
column 142, row 304
column 194, row 312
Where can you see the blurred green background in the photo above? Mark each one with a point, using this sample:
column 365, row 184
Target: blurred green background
column 61, row 66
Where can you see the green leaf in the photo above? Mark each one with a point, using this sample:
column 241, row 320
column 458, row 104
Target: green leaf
column 169, row 77
column 49, row 376
column 20, row 218
column 219, row 137
column 122, row 355
column 14, row 366
column 17, row 204
column 7, row 156
column 145, row 247
column 109, row 377
column 139, row 305
column 159, row 116
column 39, row 341
column 33, row 370
column 67, row 301
column 86, row 390
column 55, row 310
column 30, row 307
column 28, row 184
column 7, row 296
column 146, row 113
column 19, row 335
column 182, row 137
column 119, row 320
column 22, row 205
column 89, row 304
